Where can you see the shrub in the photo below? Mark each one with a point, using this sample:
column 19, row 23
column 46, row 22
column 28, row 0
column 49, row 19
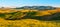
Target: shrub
column 2, row 15
column 15, row 16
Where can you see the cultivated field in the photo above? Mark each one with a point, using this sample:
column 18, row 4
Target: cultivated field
column 5, row 20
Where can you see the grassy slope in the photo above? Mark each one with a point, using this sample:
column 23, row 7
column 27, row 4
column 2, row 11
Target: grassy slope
column 30, row 22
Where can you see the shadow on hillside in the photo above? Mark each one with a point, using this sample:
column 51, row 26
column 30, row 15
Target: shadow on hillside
column 53, row 17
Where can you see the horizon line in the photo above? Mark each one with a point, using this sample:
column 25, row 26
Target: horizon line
column 20, row 6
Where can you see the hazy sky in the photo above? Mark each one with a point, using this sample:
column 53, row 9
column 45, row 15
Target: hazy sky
column 18, row 3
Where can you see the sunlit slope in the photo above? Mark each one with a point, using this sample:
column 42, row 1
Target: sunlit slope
column 14, row 12
column 7, row 10
column 38, row 11
column 28, row 23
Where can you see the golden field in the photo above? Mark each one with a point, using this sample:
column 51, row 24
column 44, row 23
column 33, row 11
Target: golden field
column 29, row 22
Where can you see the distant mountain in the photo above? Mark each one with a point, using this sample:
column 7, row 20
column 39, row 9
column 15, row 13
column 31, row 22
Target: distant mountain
column 37, row 7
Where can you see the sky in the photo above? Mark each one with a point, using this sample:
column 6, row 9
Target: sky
column 19, row 3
